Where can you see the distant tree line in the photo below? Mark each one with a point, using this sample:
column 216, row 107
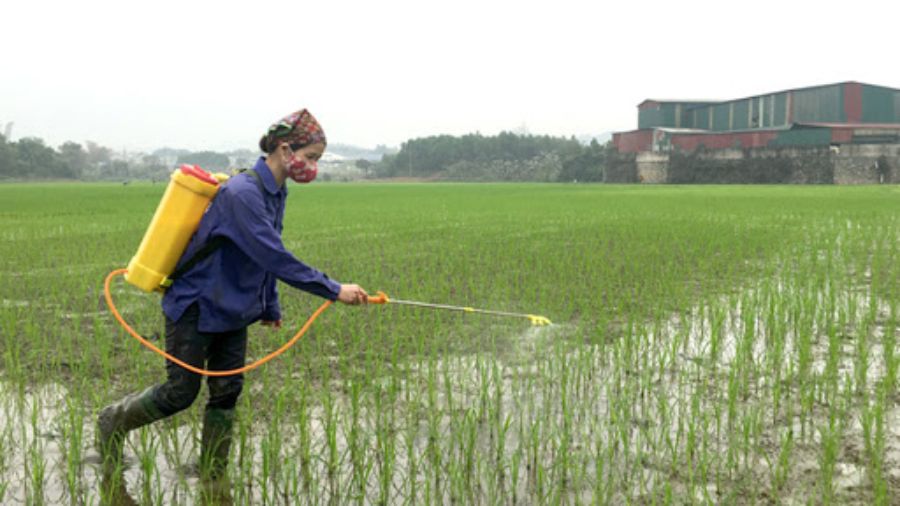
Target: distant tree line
column 474, row 157
column 504, row 157
column 30, row 158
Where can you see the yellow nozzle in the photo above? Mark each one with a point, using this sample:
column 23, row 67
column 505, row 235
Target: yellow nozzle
column 539, row 321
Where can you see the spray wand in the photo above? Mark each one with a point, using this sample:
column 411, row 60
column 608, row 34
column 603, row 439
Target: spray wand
column 382, row 298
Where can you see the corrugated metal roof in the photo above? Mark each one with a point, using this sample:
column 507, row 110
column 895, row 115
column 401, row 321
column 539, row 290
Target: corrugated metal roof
column 823, row 86
column 717, row 102
column 683, row 130
column 667, row 101
column 695, row 131
column 869, row 126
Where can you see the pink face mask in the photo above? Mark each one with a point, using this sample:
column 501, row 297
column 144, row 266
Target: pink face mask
column 302, row 171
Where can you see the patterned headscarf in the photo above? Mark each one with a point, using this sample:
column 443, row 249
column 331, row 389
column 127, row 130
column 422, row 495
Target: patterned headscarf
column 296, row 128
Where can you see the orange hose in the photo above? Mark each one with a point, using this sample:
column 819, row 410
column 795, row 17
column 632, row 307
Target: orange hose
column 189, row 367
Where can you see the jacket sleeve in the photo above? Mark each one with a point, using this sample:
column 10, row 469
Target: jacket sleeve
column 272, row 311
column 256, row 236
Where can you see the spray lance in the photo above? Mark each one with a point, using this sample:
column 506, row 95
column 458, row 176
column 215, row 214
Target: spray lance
column 382, row 298
column 177, row 217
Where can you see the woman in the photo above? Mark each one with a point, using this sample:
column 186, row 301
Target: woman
column 225, row 281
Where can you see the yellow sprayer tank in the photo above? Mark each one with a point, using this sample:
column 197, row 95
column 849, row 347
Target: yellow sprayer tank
column 176, row 219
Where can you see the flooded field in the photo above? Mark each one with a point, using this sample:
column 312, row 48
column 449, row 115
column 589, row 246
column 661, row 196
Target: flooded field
column 711, row 345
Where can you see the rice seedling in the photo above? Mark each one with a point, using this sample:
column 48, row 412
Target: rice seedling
column 711, row 345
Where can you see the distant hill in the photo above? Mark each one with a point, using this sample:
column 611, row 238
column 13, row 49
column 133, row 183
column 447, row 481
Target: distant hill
column 351, row 152
column 602, row 138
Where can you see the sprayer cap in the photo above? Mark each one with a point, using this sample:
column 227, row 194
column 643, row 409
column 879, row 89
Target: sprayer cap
column 197, row 172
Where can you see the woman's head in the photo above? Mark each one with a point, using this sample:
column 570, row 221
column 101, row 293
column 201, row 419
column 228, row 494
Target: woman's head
column 294, row 145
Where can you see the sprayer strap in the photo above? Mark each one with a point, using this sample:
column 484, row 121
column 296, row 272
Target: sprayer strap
column 210, row 247
column 201, row 254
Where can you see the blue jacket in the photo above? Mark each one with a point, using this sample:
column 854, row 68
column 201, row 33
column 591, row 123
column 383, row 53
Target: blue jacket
column 235, row 285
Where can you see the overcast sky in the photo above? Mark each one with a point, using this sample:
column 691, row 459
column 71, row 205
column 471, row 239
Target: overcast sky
column 214, row 75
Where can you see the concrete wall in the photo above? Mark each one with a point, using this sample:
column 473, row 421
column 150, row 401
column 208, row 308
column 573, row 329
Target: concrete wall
column 651, row 167
column 867, row 164
column 751, row 166
column 845, row 164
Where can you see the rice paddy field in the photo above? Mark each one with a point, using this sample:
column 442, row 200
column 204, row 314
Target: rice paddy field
column 710, row 345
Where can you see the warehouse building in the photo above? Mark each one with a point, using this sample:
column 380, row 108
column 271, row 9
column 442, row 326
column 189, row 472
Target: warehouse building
column 841, row 113
column 797, row 123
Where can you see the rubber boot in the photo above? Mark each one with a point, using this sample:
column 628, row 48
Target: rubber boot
column 116, row 495
column 215, row 443
column 217, row 493
column 113, row 423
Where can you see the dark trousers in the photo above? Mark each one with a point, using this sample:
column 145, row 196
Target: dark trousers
column 218, row 351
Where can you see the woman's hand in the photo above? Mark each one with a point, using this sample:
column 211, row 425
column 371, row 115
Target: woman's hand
column 353, row 295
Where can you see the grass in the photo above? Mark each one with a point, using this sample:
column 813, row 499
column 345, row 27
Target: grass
column 712, row 345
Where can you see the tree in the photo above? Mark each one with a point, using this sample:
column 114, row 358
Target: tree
column 119, row 169
column 8, row 162
column 243, row 158
column 207, row 160
column 37, row 160
column 153, row 167
column 97, row 154
column 74, row 157
column 98, row 158
column 437, row 154
column 587, row 165
column 365, row 166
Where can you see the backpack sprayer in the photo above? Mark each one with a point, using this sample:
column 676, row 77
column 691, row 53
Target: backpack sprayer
column 189, row 193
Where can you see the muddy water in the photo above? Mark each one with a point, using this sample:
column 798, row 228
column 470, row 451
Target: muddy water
column 536, row 385
column 49, row 456
column 40, row 447
column 744, row 318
